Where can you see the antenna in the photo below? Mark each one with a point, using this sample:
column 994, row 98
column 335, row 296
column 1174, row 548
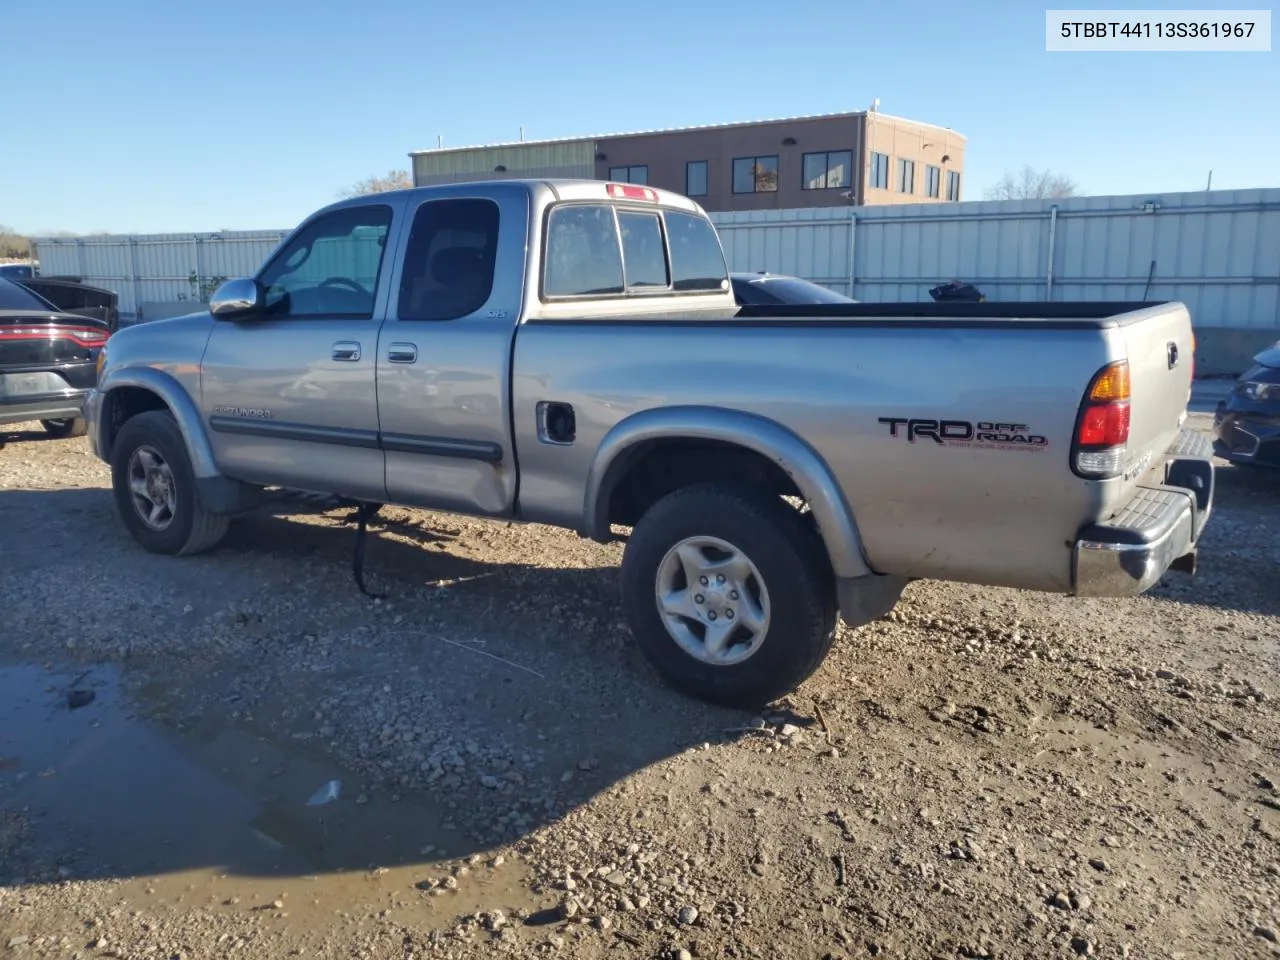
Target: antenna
column 1209, row 185
column 522, row 134
column 439, row 140
column 875, row 105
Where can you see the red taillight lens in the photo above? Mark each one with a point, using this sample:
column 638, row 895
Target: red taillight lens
column 1102, row 431
column 84, row 336
column 1105, row 426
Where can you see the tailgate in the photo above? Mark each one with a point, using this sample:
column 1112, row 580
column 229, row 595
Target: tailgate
column 1160, row 349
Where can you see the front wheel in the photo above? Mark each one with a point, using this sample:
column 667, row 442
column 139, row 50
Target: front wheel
column 68, row 427
column 729, row 594
column 155, row 488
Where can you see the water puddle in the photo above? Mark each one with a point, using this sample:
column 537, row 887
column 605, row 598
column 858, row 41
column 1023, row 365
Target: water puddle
column 218, row 819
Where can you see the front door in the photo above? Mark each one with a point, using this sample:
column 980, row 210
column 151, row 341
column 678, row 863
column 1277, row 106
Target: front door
column 289, row 395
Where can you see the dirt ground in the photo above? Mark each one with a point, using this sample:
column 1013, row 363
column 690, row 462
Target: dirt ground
column 984, row 773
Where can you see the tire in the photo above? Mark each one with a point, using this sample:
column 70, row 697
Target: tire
column 785, row 557
column 61, row 429
column 183, row 528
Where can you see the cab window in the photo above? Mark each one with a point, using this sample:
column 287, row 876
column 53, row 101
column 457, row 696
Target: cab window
column 331, row 267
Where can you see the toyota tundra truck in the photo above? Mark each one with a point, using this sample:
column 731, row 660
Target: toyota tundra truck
column 572, row 353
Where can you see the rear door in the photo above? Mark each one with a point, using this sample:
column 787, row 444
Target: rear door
column 444, row 352
column 289, row 395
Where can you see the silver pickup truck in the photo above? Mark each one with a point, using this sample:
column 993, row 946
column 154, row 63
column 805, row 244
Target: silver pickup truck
column 571, row 353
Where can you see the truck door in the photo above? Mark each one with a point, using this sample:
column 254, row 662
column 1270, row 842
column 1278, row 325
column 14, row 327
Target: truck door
column 288, row 394
column 444, row 352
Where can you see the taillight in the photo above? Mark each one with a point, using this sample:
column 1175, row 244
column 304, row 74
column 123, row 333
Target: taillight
column 83, row 336
column 1102, row 429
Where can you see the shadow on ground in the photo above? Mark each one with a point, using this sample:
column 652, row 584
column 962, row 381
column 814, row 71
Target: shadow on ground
column 507, row 695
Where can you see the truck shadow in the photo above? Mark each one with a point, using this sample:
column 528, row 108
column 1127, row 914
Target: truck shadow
column 197, row 735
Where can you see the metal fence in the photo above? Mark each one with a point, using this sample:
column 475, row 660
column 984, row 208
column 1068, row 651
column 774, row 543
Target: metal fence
column 157, row 268
column 1218, row 252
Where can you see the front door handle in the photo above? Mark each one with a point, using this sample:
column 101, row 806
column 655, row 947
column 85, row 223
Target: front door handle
column 347, row 350
column 402, row 353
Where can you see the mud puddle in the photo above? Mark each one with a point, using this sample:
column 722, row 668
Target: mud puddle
column 223, row 820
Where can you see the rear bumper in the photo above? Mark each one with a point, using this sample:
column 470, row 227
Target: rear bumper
column 56, row 407
column 1157, row 529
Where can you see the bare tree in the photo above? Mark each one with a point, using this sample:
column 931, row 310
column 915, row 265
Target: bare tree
column 1032, row 184
column 12, row 244
column 394, row 180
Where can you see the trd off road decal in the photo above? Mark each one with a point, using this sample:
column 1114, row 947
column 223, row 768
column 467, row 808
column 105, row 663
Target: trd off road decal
column 983, row 434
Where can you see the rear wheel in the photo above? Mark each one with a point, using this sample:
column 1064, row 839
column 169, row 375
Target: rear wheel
column 155, row 488
column 729, row 594
column 68, row 427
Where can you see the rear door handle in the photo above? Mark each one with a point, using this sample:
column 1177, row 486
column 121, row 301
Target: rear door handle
column 402, row 353
column 347, row 350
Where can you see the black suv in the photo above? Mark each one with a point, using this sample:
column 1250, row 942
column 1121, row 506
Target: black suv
column 48, row 361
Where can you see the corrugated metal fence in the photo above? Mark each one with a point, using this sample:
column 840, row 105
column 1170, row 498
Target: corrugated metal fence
column 159, row 267
column 1218, row 252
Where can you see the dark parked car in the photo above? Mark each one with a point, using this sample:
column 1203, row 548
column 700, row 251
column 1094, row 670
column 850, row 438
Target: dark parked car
column 48, row 361
column 1247, row 423
column 772, row 289
column 16, row 271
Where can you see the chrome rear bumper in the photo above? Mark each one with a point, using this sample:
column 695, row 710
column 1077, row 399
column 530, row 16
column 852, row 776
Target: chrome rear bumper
column 1156, row 530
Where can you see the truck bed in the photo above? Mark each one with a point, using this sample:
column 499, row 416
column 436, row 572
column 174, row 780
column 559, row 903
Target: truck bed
column 837, row 374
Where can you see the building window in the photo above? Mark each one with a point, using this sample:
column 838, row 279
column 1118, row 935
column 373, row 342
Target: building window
column 755, row 175
column 826, row 171
column 880, row 171
column 629, row 174
column 953, row 185
column 933, row 182
column 695, row 178
column 906, row 176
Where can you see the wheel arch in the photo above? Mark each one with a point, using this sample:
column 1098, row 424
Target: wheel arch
column 130, row 391
column 628, row 443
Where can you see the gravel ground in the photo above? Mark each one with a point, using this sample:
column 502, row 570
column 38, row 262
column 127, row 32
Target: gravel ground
column 984, row 773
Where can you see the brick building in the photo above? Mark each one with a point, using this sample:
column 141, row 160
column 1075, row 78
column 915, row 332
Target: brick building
column 865, row 157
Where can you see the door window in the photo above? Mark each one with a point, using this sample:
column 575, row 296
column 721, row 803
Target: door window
column 449, row 262
column 331, row 267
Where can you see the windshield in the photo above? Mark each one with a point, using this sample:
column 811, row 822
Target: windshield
column 795, row 290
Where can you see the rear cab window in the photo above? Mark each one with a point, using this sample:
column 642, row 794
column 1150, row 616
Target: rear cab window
column 598, row 250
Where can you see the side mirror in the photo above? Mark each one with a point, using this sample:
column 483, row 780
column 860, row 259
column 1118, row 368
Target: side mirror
column 237, row 299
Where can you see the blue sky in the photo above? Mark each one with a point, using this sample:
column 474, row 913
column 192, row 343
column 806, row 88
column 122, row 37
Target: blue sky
column 156, row 115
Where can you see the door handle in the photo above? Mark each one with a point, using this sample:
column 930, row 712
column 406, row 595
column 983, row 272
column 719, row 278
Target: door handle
column 347, row 350
column 402, row 353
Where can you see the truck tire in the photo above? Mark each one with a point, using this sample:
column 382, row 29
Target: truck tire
column 155, row 488
column 708, row 556
column 61, row 429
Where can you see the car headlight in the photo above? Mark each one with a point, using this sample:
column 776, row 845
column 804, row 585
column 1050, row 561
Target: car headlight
column 102, row 360
column 1257, row 390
